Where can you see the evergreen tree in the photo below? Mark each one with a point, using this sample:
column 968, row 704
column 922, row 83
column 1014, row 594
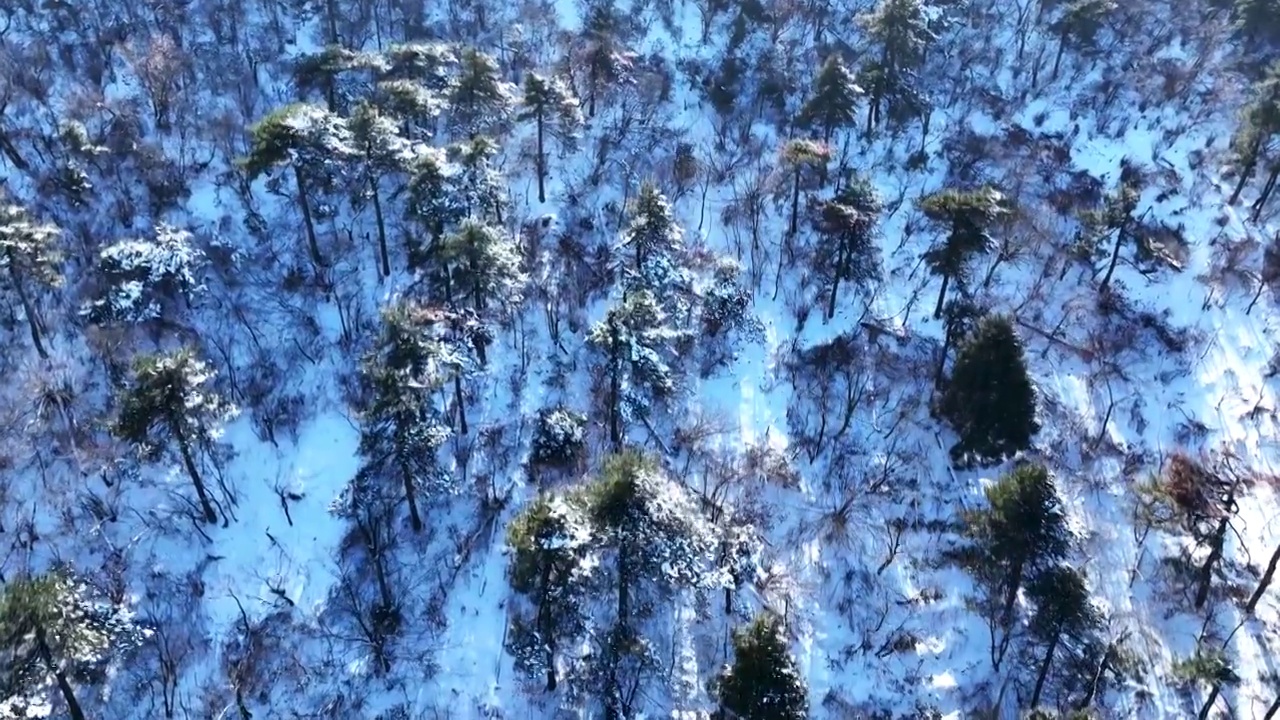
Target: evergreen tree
column 989, row 399
column 481, row 101
column 330, row 71
column 314, row 143
column 636, row 345
column 382, row 153
column 1117, row 216
column 901, row 30
column 402, row 430
column 554, row 110
column 29, row 254
column 846, row 226
column 1064, row 615
column 1021, row 533
column 655, row 240
column 433, row 66
column 834, row 102
column 967, row 218
column 1258, row 137
column 550, row 542
column 52, row 628
column 140, row 277
column 482, row 266
column 763, row 683
column 1078, row 25
column 608, row 62
column 479, row 186
column 803, row 161
column 434, row 205
column 170, row 402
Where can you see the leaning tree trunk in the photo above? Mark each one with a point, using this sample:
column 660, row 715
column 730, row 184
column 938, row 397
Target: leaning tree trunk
column 1246, row 172
column 1271, row 711
column 28, row 309
column 64, row 687
column 313, row 245
column 1215, row 554
column 462, row 408
column 1115, row 259
column 942, row 295
column 210, row 515
column 410, row 498
column 1208, row 703
column 1267, row 189
column 1264, row 582
column 1044, row 669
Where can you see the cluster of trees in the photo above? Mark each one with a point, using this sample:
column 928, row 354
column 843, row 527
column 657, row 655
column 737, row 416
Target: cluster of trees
column 593, row 565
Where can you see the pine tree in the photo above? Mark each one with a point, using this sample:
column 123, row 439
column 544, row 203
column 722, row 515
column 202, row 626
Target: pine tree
column 967, row 218
column 314, row 143
column 325, row 70
column 901, row 30
column 479, row 185
column 655, row 240
column 481, row 100
column 482, row 266
column 1079, row 25
column 763, row 683
column 51, row 626
column 554, row 110
column 1258, row 137
column 846, row 227
column 1117, row 216
column 608, row 62
column 434, row 204
column 170, row 402
column 402, row 430
column 802, row 160
column 382, row 153
column 550, row 542
column 1064, row 615
column 1021, row 533
column 140, row 277
column 833, row 104
column 29, row 253
column 989, row 399
column 652, row 529
column 636, row 344
column 433, row 66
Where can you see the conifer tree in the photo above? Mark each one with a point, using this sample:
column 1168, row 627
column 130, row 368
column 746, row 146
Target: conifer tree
column 170, row 403
column 1258, row 137
column 900, row 29
column 967, row 219
column 803, row 161
column 1079, row 25
column 989, row 399
column 141, row 276
column 314, row 143
column 550, row 540
column 481, row 101
column 554, row 110
column 479, row 186
column 1064, row 615
column 1021, row 533
column 1117, row 216
column 53, row 628
column 29, row 254
column 763, row 683
column 382, row 153
column 846, row 227
column 608, row 62
column 833, row 104
column 325, row 70
column 655, row 240
column 401, row 429
column 434, row 205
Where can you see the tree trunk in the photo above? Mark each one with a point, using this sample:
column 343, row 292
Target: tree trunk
column 1247, row 171
column 947, row 337
column 942, row 296
column 542, row 164
column 1271, row 711
column 462, row 410
column 1263, row 583
column 1208, row 703
column 383, row 255
column 210, row 515
column 795, row 206
column 1115, row 258
column 27, row 308
column 410, row 498
column 615, row 385
column 1011, row 595
column 1215, row 554
column 1267, row 189
column 1044, row 669
column 1057, row 59
column 312, row 244
column 835, row 283
column 68, row 694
